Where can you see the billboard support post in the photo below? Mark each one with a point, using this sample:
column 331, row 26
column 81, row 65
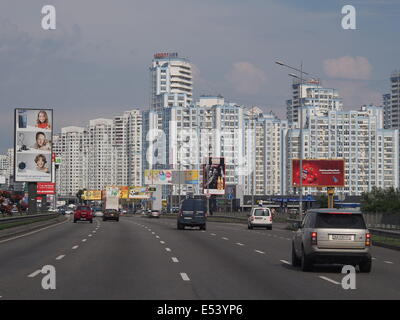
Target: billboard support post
column 32, row 194
column 331, row 192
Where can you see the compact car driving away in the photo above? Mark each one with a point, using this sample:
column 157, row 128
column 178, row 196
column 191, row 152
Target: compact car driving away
column 260, row 217
column 83, row 213
column 332, row 236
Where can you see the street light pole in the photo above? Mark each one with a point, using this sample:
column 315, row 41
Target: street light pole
column 300, row 117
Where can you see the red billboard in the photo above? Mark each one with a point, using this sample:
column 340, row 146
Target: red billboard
column 318, row 173
column 45, row 188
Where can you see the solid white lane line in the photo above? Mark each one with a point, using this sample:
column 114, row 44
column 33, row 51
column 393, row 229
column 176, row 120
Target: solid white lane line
column 33, row 232
column 224, row 238
column 239, row 244
column 168, row 249
column 34, row 274
column 258, row 251
column 84, row 240
column 184, row 276
column 60, row 257
column 162, row 242
column 327, row 279
column 388, row 262
column 284, row 261
column 175, row 259
column 75, row 247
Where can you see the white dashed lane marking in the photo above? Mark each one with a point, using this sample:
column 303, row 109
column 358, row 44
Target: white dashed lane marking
column 89, row 235
column 224, row 238
column 168, row 249
column 162, row 242
column 285, row 262
column 84, row 240
column 329, row 280
column 388, row 262
column 174, row 259
column 185, row 277
column 240, row 244
column 74, row 247
column 213, row 234
column 258, row 251
column 60, row 257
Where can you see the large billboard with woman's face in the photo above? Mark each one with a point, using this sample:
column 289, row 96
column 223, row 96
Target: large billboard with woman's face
column 33, row 145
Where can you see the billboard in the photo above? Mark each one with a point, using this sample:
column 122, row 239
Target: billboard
column 33, row 132
column 214, row 176
column 124, row 192
column 138, row 193
column 92, row 195
column 46, row 188
column 191, row 177
column 158, row 177
column 318, row 173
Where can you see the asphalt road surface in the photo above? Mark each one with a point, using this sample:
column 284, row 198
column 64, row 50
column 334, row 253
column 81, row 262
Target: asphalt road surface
column 142, row 258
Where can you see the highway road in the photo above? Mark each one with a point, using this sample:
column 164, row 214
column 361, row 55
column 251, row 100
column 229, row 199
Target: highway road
column 141, row 258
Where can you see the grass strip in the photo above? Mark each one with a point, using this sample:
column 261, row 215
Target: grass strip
column 386, row 240
column 13, row 224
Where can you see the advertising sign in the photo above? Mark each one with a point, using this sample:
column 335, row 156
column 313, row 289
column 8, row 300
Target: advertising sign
column 158, row 177
column 318, row 173
column 191, row 177
column 214, row 176
column 33, row 145
column 124, row 192
column 92, row 195
column 112, row 192
column 138, row 193
column 45, row 188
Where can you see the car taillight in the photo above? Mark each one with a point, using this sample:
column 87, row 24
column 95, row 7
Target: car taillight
column 270, row 218
column 251, row 218
column 368, row 239
column 313, row 238
column 181, row 213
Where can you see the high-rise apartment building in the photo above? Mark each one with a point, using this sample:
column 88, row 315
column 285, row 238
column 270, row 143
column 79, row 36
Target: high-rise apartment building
column 371, row 153
column 70, row 145
column 311, row 93
column 171, row 81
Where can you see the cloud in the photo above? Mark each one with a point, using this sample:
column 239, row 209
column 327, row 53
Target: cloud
column 348, row 68
column 246, row 78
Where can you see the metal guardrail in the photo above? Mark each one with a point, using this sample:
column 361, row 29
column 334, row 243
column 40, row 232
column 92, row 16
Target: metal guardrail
column 385, row 233
column 27, row 217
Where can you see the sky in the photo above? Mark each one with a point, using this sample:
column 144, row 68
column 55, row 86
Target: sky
column 95, row 64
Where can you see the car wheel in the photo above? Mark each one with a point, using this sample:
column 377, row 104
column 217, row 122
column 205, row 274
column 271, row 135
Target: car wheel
column 203, row 227
column 269, row 228
column 74, row 220
column 179, row 226
column 104, row 219
column 117, row 220
column 91, row 221
column 250, row 227
column 366, row 266
column 296, row 262
column 306, row 263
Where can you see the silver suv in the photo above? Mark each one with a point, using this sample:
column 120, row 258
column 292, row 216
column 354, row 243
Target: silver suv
column 332, row 236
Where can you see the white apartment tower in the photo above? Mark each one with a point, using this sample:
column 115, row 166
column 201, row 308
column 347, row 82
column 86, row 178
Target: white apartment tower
column 171, row 81
column 70, row 146
column 371, row 153
column 311, row 93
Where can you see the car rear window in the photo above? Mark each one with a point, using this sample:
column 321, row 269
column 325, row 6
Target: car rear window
column 261, row 212
column 193, row 205
column 340, row 221
column 83, row 208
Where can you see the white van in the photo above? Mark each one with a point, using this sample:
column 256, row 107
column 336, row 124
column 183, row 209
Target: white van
column 260, row 217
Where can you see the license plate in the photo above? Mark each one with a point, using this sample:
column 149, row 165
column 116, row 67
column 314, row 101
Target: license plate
column 348, row 237
column 188, row 218
column 259, row 218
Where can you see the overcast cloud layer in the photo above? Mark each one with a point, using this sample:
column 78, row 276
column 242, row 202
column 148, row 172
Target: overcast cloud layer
column 96, row 63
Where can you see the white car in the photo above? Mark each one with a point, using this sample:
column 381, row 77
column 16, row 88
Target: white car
column 260, row 217
column 98, row 213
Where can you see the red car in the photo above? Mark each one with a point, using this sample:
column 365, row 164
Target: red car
column 83, row 213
